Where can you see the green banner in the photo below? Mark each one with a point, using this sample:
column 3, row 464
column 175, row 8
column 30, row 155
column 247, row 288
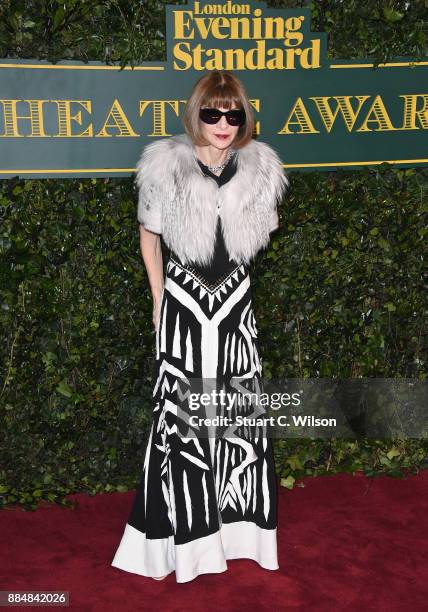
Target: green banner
column 73, row 119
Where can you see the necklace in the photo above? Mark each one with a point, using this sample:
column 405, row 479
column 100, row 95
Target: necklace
column 221, row 167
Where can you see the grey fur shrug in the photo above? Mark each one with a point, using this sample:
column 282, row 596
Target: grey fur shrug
column 178, row 201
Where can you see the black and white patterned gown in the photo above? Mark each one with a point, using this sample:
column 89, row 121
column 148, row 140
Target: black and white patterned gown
column 202, row 501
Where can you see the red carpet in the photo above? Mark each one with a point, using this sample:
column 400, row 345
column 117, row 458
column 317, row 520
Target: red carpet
column 346, row 543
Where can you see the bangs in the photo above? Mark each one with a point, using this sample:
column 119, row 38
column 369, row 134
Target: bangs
column 222, row 97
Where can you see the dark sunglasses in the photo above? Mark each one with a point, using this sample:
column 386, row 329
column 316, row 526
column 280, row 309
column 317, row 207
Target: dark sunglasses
column 213, row 115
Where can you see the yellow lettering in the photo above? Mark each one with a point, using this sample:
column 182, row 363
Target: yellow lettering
column 293, row 36
column 381, row 117
column 277, row 61
column 203, row 29
column 216, row 62
column 159, row 114
column 256, row 105
column 11, row 118
column 302, row 119
column 343, row 106
column 233, row 57
column 221, row 22
column 180, row 24
column 310, row 57
column 410, row 112
column 65, row 118
column 181, row 51
column 120, row 121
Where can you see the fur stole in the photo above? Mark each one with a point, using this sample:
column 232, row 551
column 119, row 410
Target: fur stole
column 178, row 201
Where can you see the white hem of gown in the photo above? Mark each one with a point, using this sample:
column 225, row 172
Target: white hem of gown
column 158, row 557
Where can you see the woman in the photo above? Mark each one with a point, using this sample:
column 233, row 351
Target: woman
column 212, row 193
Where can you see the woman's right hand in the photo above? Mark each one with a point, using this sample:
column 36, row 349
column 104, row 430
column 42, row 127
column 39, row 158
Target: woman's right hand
column 151, row 251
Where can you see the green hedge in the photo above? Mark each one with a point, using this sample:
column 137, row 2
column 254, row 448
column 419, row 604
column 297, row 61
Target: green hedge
column 340, row 293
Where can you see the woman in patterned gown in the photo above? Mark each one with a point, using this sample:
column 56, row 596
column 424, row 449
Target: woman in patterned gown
column 212, row 193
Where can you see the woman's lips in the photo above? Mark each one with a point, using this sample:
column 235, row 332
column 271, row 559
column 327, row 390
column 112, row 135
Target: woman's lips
column 222, row 136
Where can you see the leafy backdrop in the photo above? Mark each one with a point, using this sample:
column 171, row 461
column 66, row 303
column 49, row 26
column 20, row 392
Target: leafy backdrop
column 349, row 297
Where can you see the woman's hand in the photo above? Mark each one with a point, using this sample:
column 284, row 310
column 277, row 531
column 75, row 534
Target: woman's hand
column 151, row 251
column 157, row 302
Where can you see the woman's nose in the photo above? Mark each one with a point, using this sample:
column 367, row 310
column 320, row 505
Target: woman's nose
column 223, row 122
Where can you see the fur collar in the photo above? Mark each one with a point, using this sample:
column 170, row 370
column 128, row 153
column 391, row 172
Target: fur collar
column 178, row 201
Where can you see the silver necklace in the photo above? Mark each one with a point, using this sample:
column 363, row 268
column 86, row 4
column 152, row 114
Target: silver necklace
column 221, row 167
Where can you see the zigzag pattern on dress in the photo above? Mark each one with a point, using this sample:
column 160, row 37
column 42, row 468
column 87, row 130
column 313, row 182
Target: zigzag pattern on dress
column 209, row 296
column 218, row 343
column 199, row 494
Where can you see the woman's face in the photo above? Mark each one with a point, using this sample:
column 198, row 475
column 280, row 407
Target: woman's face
column 221, row 134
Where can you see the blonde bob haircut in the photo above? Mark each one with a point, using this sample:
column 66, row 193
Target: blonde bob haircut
column 218, row 89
